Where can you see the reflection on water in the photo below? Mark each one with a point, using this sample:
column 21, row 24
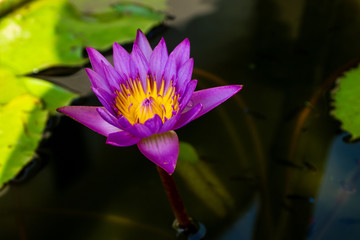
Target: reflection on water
column 243, row 227
column 337, row 204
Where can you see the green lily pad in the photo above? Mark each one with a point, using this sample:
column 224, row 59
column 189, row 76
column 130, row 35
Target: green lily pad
column 347, row 102
column 11, row 86
column 44, row 33
column 25, row 104
column 52, row 95
column 22, row 122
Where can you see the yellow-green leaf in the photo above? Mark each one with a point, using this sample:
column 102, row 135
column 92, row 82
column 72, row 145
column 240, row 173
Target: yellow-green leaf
column 52, row 95
column 11, row 86
column 22, row 121
column 346, row 98
column 44, row 34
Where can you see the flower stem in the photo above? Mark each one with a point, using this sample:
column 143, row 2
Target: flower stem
column 177, row 205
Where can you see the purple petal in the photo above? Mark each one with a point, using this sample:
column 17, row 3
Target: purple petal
column 184, row 75
column 141, row 64
column 169, row 124
column 154, row 124
column 190, row 88
column 96, row 80
column 122, row 139
column 158, row 60
column 124, row 123
column 110, row 118
column 169, row 71
column 113, row 77
column 97, row 61
column 105, row 99
column 181, row 53
column 121, row 60
column 134, row 71
column 142, row 42
column 161, row 149
column 188, row 116
column 89, row 117
column 139, row 130
column 212, row 97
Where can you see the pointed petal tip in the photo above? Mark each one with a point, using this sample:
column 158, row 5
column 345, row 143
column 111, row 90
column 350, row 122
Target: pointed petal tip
column 90, row 50
column 239, row 87
column 161, row 149
column 162, row 41
column 186, row 44
column 138, row 31
column 142, row 42
column 231, row 88
column 169, row 169
column 89, row 117
column 60, row 109
column 212, row 97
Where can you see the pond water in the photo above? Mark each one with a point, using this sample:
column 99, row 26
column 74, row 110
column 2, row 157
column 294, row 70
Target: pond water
column 273, row 163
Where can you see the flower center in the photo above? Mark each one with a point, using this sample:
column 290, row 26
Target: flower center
column 137, row 106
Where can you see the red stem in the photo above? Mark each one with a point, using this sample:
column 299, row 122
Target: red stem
column 176, row 203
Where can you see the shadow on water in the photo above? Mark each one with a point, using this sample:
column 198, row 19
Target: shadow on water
column 268, row 170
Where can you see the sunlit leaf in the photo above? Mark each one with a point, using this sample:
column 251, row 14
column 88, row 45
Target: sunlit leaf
column 22, row 122
column 45, row 33
column 346, row 98
column 25, row 103
column 11, row 86
column 52, row 95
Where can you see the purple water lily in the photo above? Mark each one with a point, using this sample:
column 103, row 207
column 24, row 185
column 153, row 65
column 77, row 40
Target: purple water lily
column 145, row 96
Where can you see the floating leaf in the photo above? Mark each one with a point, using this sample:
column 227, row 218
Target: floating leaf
column 23, row 118
column 52, row 95
column 11, row 86
column 22, row 122
column 347, row 102
column 44, row 34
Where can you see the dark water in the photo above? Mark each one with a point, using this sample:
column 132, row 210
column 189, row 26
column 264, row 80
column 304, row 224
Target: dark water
column 273, row 162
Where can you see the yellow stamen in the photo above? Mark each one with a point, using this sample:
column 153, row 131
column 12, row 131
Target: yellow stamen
column 137, row 106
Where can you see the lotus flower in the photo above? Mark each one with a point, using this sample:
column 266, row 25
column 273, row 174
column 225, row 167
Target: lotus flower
column 146, row 95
